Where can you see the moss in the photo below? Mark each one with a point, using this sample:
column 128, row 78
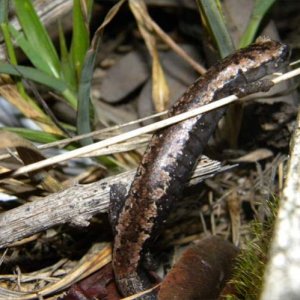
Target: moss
column 248, row 274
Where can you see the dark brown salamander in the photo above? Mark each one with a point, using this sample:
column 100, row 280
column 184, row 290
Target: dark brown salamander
column 173, row 152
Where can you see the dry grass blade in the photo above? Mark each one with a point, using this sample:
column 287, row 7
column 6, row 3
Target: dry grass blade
column 149, row 24
column 180, row 52
column 10, row 93
column 100, row 135
column 88, row 265
column 125, row 136
column 15, row 187
column 29, row 154
column 160, row 89
column 132, row 144
column 234, row 208
column 27, row 151
column 286, row 76
column 110, row 15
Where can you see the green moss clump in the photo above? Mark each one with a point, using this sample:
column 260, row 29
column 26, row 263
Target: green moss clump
column 248, row 274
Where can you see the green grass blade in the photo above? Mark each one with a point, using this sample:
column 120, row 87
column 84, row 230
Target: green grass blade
column 70, row 97
column 260, row 9
column 37, row 35
column 30, row 51
column 80, row 37
column 34, row 75
column 34, row 135
column 83, row 113
column 67, row 67
column 42, row 78
column 12, row 57
column 8, row 43
column 89, row 5
column 211, row 12
column 4, row 11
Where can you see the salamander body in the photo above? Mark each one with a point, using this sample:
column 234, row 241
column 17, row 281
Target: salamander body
column 173, row 152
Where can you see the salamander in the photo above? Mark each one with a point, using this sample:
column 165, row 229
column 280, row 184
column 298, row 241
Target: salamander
column 172, row 153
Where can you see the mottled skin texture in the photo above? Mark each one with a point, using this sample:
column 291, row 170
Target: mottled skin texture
column 173, row 152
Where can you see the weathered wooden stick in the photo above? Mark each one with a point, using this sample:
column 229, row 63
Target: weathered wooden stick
column 76, row 205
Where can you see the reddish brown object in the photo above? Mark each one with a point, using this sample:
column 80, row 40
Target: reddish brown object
column 201, row 272
column 99, row 285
